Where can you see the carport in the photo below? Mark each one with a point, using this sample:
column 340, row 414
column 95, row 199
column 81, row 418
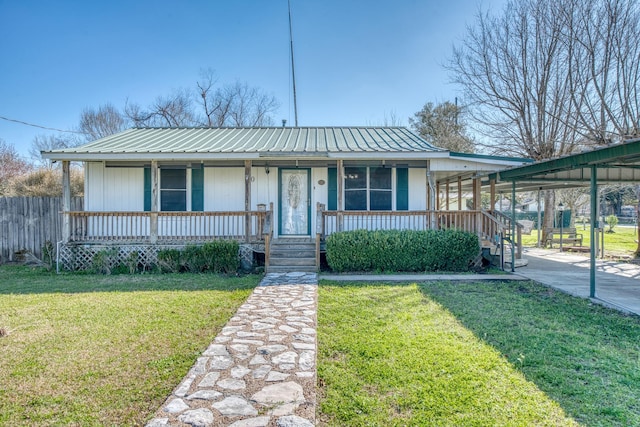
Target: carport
column 613, row 164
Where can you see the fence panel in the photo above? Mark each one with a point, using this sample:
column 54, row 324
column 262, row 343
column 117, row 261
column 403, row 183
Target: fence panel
column 27, row 223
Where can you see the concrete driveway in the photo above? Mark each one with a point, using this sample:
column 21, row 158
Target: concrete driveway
column 617, row 284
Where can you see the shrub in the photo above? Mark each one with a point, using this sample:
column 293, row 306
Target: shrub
column 48, row 255
column 221, row 256
column 192, row 259
column 103, row 261
column 218, row 256
column 612, row 221
column 406, row 250
column 169, row 260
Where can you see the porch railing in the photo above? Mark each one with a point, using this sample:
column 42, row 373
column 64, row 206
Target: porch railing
column 166, row 227
column 333, row 221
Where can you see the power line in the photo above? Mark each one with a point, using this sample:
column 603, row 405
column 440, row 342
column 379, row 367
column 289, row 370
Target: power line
column 41, row 127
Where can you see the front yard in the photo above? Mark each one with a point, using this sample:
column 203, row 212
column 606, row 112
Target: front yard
column 443, row 354
column 103, row 350
column 107, row 350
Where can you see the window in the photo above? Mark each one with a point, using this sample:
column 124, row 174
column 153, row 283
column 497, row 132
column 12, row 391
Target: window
column 173, row 189
column 367, row 188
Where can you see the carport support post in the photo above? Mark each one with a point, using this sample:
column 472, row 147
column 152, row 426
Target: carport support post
column 513, row 226
column 592, row 232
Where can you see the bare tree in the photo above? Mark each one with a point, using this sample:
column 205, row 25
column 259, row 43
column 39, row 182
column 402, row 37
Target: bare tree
column 11, row 165
column 174, row 110
column 514, row 73
column 237, row 104
column 48, row 143
column 444, row 126
column 101, row 122
column 603, row 45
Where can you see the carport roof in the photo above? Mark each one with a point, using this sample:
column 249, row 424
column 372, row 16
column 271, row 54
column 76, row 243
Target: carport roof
column 619, row 163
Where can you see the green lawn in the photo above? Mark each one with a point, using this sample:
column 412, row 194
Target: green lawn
column 473, row 354
column 620, row 243
column 103, row 350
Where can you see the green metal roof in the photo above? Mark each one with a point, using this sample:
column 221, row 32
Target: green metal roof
column 224, row 143
column 615, row 164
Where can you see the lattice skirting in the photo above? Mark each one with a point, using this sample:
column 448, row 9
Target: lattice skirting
column 82, row 257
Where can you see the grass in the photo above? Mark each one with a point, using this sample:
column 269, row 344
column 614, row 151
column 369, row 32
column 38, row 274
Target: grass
column 620, row 243
column 103, row 350
column 501, row 353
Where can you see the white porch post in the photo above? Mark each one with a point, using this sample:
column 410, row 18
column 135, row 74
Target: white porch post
column 340, row 179
column 247, row 200
column 154, row 203
column 66, row 201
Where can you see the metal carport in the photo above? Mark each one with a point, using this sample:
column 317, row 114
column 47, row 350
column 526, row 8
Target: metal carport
column 613, row 164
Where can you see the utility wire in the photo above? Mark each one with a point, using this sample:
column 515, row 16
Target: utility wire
column 41, row 127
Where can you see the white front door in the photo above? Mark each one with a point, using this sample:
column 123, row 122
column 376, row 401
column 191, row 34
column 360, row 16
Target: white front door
column 294, row 202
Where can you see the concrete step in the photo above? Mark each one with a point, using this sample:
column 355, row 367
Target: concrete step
column 293, row 262
column 288, row 269
column 293, row 247
column 292, row 253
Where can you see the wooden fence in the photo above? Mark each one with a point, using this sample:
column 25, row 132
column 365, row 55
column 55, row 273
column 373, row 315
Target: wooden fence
column 27, row 223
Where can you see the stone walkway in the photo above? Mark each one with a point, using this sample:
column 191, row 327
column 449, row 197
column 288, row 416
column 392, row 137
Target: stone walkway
column 260, row 370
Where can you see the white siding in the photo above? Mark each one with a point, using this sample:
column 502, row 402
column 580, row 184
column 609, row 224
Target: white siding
column 113, row 189
column 417, row 189
column 224, row 189
column 93, row 183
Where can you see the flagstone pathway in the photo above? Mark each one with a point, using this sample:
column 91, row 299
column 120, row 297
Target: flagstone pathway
column 260, row 370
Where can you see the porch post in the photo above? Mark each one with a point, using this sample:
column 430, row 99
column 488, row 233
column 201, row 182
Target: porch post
column 153, row 225
column 340, row 179
column 492, row 194
column 459, row 193
column 437, row 207
column 429, row 193
column 446, row 189
column 477, row 198
column 66, row 201
column 247, row 200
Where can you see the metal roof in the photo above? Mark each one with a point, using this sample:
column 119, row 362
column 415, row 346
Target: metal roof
column 225, row 143
column 617, row 163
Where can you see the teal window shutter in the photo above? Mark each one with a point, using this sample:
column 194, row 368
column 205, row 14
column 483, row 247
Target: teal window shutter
column 402, row 189
column 197, row 189
column 147, row 189
column 332, row 187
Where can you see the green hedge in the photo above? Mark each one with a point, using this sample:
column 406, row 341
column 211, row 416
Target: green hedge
column 393, row 250
column 218, row 256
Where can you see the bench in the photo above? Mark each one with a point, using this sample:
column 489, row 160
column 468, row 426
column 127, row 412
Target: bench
column 569, row 237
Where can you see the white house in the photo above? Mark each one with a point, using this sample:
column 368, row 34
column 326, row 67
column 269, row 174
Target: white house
column 151, row 186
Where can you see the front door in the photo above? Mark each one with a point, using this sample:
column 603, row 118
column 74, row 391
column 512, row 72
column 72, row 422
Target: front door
column 295, row 202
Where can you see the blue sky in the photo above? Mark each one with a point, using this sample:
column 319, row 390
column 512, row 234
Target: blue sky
column 357, row 61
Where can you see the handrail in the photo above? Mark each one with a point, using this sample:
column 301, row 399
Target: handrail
column 507, row 223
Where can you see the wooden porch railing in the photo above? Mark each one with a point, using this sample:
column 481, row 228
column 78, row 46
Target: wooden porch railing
column 333, row 221
column 165, row 227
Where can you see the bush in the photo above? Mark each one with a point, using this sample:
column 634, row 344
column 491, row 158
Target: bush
column 221, row 256
column 393, row 250
column 169, row 260
column 218, row 256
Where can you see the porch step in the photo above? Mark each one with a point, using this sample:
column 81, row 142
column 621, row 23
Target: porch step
column 292, row 255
